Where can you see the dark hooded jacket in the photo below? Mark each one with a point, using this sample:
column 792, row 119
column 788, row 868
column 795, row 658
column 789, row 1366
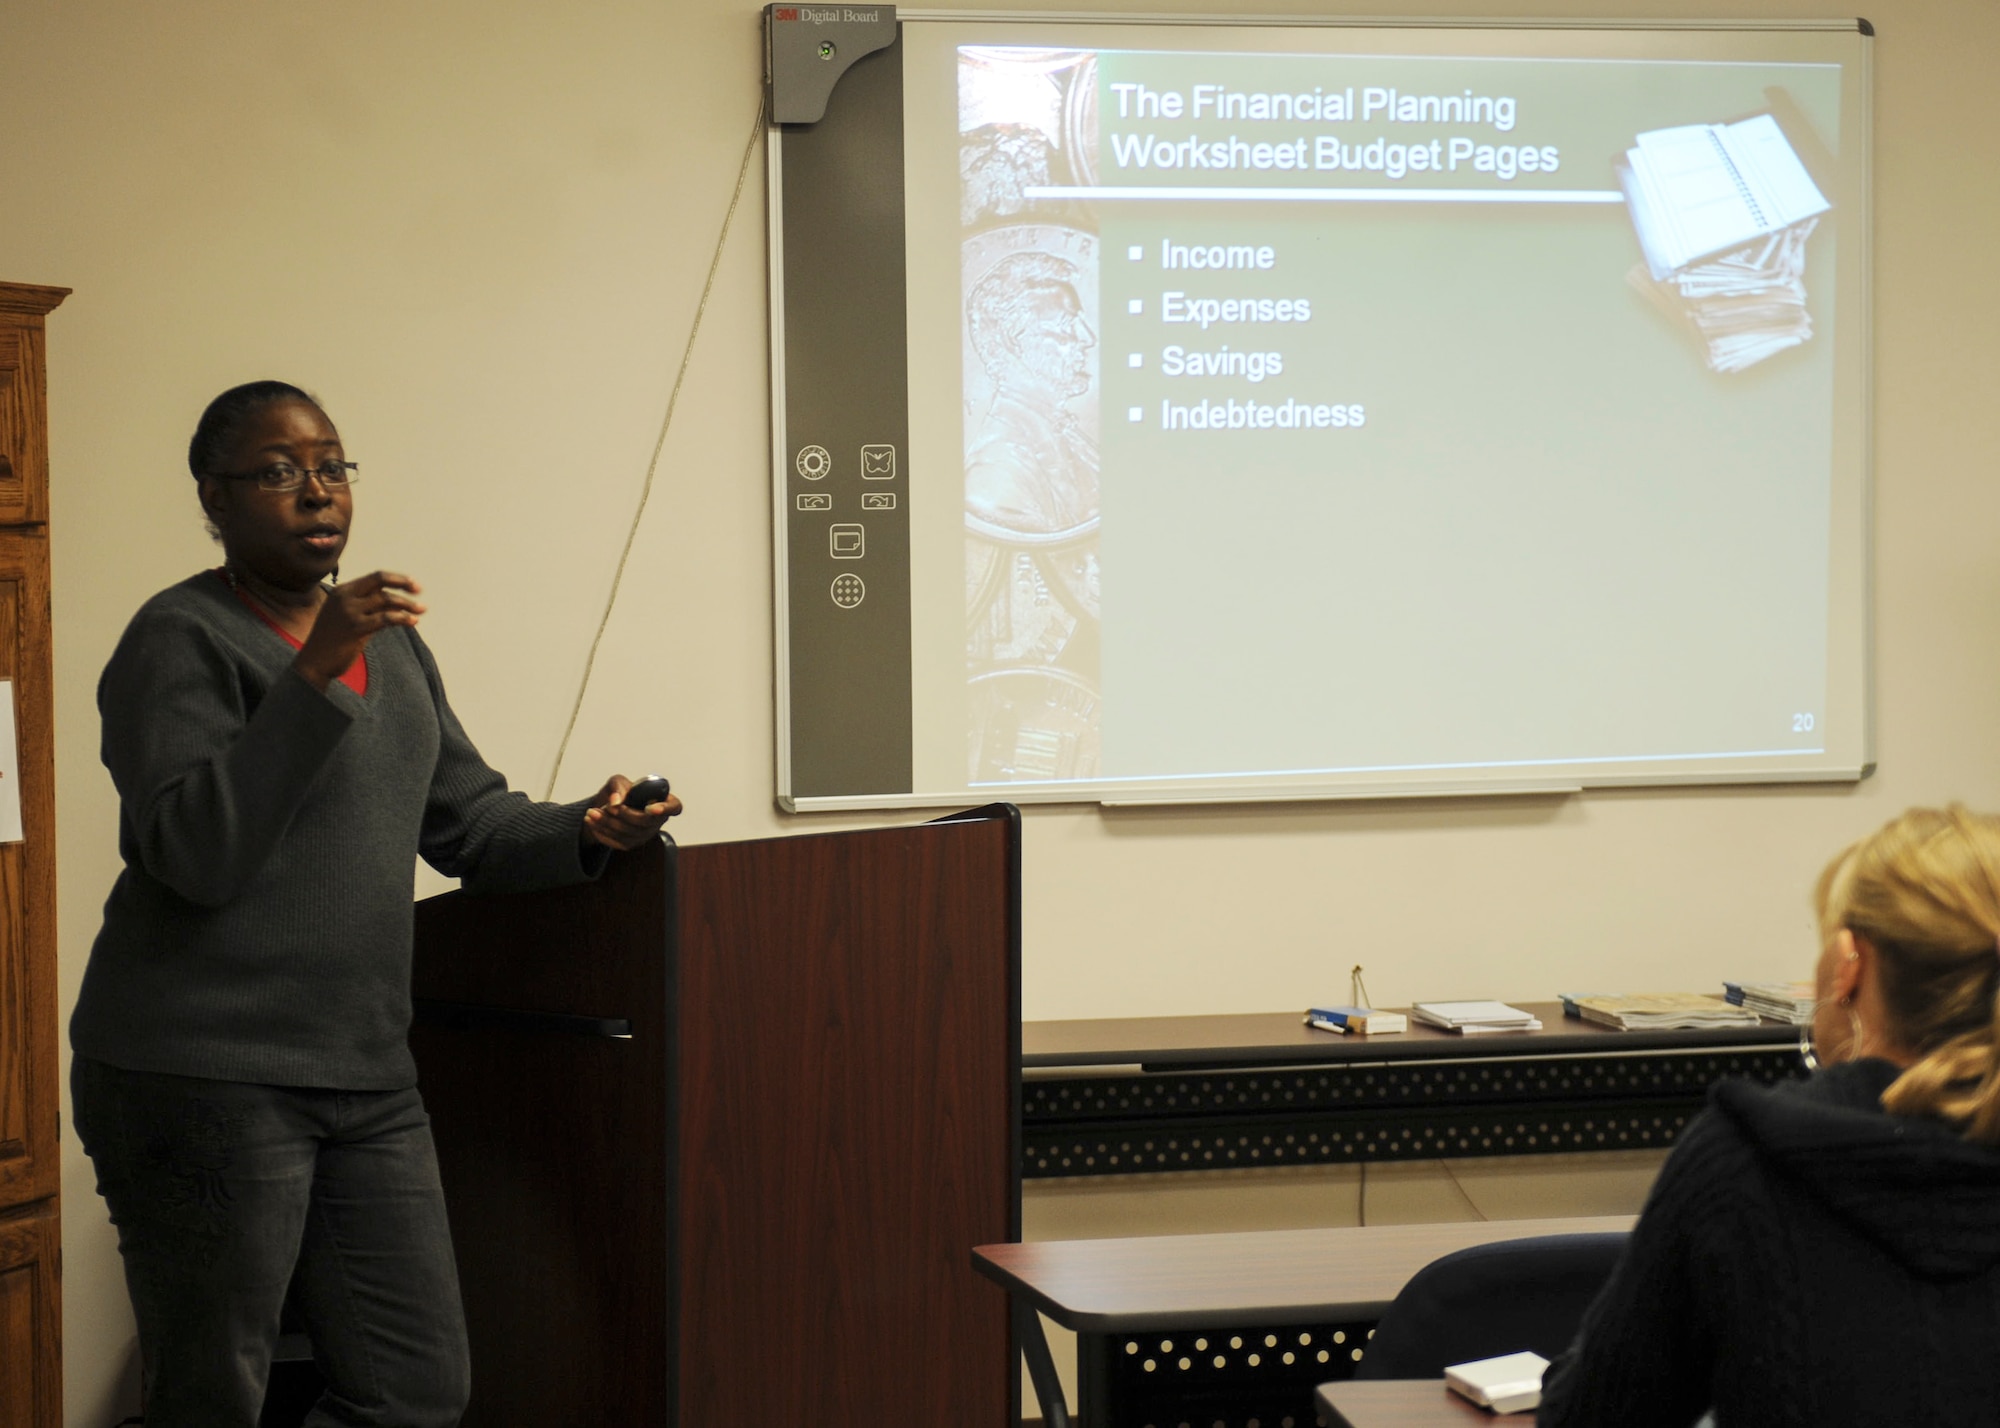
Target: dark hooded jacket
column 1805, row 1258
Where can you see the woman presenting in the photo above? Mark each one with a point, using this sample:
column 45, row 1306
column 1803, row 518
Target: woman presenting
column 283, row 751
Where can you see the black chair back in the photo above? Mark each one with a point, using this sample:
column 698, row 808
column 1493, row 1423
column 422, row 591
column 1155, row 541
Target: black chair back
column 1489, row 1300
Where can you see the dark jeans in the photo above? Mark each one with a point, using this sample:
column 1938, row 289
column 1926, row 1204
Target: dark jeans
column 222, row 1191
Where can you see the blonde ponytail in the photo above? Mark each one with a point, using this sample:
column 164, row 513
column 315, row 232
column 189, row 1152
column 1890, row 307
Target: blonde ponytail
column 1925, row 892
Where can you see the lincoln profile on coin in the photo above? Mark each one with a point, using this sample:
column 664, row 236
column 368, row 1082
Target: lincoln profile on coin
column 1030, row 468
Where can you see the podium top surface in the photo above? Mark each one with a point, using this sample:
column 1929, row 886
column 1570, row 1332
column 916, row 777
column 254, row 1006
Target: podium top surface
column 1281, row 1038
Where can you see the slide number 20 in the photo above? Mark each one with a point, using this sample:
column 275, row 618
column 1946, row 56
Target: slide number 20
column 1802, row 723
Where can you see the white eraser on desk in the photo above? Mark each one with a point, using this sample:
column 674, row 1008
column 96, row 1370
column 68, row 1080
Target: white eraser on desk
column 1508, row 1384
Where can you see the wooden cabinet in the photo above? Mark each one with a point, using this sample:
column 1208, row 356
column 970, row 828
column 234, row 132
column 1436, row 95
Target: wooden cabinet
column 31, row 1318
column 30, row 1156
column 24, row 428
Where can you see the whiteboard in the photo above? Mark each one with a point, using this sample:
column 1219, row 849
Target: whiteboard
column 1173, row 410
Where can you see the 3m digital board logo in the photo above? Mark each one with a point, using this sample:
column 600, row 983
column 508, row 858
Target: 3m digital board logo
column 831, row 14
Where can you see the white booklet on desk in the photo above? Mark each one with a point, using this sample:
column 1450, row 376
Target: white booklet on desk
column 1473, row 1018
column 1508, row 1384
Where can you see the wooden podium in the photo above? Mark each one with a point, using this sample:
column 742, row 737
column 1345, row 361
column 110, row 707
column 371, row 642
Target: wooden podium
column 719, row 1131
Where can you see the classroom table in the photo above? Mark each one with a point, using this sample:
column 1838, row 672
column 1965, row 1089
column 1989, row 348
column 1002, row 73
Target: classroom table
column 1403, row 1403
column 1150, row 1094
column 1176, row 1329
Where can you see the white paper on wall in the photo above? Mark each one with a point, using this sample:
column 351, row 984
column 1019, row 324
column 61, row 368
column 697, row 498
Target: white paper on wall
column 10, row 768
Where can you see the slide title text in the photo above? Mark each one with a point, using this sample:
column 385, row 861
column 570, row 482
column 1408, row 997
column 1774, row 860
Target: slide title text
column 1325, row 152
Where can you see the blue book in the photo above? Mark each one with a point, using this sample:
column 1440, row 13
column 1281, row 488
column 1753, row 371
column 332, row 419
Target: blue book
column 1365, row 1020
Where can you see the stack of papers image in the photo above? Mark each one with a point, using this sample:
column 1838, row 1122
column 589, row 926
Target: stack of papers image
column 1659, row 1011
column 1474, row 1018
column 1723, row 212
column 1780, row 1001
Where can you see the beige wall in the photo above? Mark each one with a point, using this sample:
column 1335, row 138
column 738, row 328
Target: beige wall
column 480, row 230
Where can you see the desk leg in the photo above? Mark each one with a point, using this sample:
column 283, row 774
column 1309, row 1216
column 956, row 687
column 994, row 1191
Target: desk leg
column 1098, row 1402
column 1041, row 1365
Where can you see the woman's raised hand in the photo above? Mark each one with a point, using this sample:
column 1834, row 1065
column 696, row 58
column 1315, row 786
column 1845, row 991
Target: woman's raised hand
column 352, row 614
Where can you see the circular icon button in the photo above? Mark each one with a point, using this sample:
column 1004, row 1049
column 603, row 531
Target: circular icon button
column 813, row 462
column 848, row 591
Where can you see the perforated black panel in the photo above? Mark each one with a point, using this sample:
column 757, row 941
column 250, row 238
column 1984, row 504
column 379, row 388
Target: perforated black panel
column 1225, row 1120
column 1250, row 1091
column 1229, row 1378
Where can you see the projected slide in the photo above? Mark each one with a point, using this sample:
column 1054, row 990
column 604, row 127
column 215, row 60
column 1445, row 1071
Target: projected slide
column 1268, row 410
column 1326, row 414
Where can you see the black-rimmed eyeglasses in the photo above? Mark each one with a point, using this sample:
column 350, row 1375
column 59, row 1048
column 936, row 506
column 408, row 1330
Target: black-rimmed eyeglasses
column 283, row 476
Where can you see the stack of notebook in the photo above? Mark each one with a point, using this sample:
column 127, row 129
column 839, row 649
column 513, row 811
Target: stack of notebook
column 1659, row 1011
column 1511, row 1383
column 1780, row 1001
column 1475, row 1018
column 1723, row 212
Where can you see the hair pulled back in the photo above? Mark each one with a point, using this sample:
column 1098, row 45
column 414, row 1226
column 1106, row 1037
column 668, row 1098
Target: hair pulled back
column 1924, row 891
column 226, row 416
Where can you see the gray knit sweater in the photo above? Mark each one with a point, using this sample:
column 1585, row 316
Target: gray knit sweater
column 261, row 929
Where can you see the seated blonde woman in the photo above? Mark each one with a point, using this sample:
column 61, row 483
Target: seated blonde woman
column 1828, row 1251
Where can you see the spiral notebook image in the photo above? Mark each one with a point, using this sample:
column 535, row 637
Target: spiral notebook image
column 1722, row 213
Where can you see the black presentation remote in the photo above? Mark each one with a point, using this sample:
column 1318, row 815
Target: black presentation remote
column 651, row 789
